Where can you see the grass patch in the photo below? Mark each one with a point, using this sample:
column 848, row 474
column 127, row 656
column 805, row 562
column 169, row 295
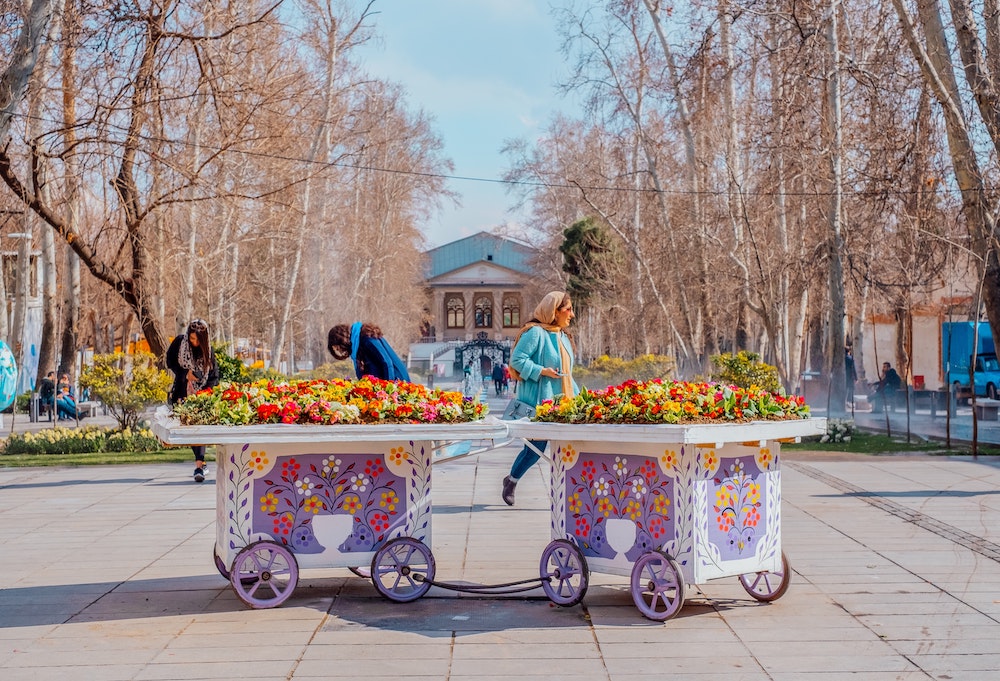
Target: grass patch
column 172, row 455
column 879, row 443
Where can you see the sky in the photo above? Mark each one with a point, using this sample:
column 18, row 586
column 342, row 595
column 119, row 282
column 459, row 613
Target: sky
column 484, row 71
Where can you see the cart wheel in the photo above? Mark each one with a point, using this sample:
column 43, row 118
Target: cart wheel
column 264, row 574
column 768, row 586
column 361, row 572
column 564, row 572
column 403, row 569
column 657, row 586
column 219, row 565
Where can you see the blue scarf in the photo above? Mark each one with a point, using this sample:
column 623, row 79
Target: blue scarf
column 355, row 343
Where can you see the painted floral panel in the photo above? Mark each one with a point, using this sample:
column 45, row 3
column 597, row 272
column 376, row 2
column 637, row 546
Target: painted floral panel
column 313, row 503
column 618, row 504
column 736, row 514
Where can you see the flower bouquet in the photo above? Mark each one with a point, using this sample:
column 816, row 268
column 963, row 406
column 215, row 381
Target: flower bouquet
column 367, row 400
column 659, row 401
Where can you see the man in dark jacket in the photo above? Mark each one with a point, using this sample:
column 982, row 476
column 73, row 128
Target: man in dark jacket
column 47, row 393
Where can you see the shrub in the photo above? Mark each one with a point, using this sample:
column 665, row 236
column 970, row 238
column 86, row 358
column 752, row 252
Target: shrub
column 126, row 384
column 746, row 370
column 605, row 371
column 838, row 430
column 85, row 440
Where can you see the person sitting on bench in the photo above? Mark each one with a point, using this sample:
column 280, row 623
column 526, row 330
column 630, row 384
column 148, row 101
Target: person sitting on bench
column 885, row 390
column 47, row 393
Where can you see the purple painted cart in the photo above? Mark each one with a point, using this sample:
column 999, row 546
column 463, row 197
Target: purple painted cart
column 666, row 506
column 304, row 496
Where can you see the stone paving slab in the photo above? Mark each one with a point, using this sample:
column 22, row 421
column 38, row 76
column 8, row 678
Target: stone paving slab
column 109, row 576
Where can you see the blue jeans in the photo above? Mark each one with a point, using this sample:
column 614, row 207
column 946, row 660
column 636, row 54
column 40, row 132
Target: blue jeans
column 526, row 459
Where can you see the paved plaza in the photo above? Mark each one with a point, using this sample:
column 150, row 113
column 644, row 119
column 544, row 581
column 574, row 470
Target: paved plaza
column 896, row 567
column 895, row 559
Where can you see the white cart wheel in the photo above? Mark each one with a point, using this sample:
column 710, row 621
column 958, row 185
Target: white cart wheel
column 564, row 572
column 403, row 569
column 657, row 586
column 264, row 574
column 768, row 586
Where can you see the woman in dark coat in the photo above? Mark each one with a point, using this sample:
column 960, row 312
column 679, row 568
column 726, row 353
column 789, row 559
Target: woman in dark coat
column 371, row 353
column 191, row 359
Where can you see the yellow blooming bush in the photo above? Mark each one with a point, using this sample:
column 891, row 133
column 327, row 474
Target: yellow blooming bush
column 126, row 384
column 85, row 440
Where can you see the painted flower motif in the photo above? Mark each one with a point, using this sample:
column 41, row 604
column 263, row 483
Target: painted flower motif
column 268, row 503
column 605, row 507
column 709, row 459
column 601, row 487
column 660, row 504
column 668, row 459
column 379, row 521
column 374, row 468
column 657, row 528
column 351, row 504
column 397, row 455
column 638, row 488
column 620, row 466
column 389, row 501
column 283, row 524
column 258, row 460
column 764, row 458
column 582, row 527
column 290, row 468
column 568, row 453
column 575, row 503
column 331, row 465
column 359, row 483
column 313, row 505
column 304, row 486
column 632, row 509
column 588, row 471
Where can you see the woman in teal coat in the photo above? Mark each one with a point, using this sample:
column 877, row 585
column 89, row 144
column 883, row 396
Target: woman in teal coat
column 542, row 360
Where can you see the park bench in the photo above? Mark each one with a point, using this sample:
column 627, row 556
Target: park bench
column 88, row 408
column 987, row 409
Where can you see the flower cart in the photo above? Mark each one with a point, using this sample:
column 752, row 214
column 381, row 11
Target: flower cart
column 665, row 505
column 293, row 496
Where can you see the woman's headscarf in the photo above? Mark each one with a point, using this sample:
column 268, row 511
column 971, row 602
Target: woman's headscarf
column 545, row 311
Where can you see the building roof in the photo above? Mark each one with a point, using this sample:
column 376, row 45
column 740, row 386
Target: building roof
column 481, row 247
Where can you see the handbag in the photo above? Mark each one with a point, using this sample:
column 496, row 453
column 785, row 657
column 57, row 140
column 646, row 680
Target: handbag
column 517, row 409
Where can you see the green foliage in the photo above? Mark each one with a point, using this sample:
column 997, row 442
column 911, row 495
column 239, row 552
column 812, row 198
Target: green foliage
column 590, row 257
column 62, row 440
column 126, row 384
column 746, row 370
column 605, row 370
column 232, row 369
column 343, row 368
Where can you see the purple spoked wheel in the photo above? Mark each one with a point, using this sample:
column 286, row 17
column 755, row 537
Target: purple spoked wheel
column 657, row 586
column 264, row 574
column 564, row 572
column 403, row 569
column 361, row 572
column 219, row 565
column 766, row 585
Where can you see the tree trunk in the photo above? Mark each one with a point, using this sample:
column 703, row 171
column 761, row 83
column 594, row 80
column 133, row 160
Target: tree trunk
column 835, row 341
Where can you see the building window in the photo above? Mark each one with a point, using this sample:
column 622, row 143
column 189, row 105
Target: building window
column 484, row 312
column 511, row 311
column 454, row 310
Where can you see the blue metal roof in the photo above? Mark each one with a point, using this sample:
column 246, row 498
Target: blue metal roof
column 481, row 247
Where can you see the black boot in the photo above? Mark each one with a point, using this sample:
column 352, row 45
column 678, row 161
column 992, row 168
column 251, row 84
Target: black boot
column 509, row 485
